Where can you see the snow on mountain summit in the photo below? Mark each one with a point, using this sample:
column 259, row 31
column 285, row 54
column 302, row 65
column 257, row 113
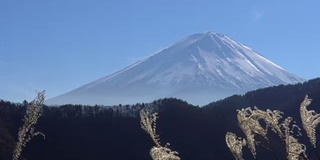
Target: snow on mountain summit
column 200, row 68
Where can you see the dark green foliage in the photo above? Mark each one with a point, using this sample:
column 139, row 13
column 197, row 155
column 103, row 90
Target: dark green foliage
column 96, row 132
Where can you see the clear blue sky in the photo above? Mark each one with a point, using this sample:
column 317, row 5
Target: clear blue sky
column 59, row 45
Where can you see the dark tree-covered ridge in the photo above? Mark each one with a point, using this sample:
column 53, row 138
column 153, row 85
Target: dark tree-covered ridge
column 99, row 132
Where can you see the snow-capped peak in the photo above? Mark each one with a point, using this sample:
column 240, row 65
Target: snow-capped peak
column 200, row 68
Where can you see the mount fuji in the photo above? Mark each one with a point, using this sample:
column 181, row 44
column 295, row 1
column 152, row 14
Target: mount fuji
column 199, row 69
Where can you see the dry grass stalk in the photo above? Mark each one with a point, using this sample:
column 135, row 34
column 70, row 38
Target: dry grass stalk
column 148, row 123
column 248, row 121
column 295, row 150
column 310, row 119
column 163, row 153
column 26, row 132
column 235, row 145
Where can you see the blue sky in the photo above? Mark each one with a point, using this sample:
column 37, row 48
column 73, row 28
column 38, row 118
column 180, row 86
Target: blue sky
column 62, row 44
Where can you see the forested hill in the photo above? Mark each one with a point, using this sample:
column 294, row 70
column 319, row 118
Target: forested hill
column 97, row 132
column 271, row 96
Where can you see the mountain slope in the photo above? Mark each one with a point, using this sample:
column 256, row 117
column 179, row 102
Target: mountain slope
column 200, row 69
